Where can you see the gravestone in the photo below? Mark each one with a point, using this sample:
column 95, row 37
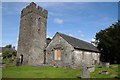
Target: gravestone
column 91, row 68
column 104, row 72
column 105, row 64
column 85, row 73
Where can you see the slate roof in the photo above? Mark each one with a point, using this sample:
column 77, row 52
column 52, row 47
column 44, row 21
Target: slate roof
column 79, row 44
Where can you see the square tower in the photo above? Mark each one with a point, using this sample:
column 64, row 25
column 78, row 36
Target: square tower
column 32, row 35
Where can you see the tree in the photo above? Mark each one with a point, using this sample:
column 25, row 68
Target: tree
column 6, row 55
column 108, row 42
column 14, row 53
column 8, row 46
column 8, row 51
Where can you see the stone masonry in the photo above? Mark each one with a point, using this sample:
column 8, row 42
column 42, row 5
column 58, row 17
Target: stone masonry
column 32, row 35
column 71, row 56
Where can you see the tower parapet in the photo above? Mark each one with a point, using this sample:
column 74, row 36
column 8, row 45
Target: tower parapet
column 32, row 8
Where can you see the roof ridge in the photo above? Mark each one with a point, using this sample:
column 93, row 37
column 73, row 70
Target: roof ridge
column 74, row 38
column 77, row 43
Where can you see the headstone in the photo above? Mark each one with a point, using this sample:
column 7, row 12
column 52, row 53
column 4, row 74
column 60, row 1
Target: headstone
column 85, row 73
column 104, row 72
column 105, row 64
column 91, row 68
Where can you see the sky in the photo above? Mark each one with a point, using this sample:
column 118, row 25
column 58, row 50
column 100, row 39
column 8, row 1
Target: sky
column 60, row 0
column 78, row 19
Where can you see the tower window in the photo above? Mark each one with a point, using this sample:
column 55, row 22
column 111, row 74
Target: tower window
column 24, row 28
column 31, row 17
column 38, row 29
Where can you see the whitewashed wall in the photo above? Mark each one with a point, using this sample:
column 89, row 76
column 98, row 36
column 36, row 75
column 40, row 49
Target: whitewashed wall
column 96, row 56
column 86, row 57
column 77, row 58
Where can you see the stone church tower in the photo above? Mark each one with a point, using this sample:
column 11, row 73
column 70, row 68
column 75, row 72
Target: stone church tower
column 32, row 35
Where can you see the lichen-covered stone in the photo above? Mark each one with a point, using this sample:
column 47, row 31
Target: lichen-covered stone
column 66, row 52
column 32, row 35
column 70, row 57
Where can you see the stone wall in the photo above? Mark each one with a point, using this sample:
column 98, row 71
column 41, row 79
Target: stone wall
column 89, row 58
column 32, row 35
column 96, row 58
column 66, row 52
column 32, row 8
column 70, row 57
column 78, row 57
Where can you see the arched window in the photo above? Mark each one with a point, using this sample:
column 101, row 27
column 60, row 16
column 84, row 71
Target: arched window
column 39, row 19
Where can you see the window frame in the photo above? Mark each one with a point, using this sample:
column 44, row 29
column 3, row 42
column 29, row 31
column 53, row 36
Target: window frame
column 57, row 54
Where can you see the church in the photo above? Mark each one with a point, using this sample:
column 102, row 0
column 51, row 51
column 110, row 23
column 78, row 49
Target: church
column 62, row 51
column 69, row 52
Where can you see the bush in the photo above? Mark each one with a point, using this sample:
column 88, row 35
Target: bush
column 6, row 55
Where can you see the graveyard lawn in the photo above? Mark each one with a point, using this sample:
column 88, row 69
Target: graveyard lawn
column 39, row 72
column 13, row 71
column 112, row 71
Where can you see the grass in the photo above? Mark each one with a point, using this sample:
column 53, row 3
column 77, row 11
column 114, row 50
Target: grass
column 113, row 71
column 0, row 73
column 12, row 71
column 39, row 72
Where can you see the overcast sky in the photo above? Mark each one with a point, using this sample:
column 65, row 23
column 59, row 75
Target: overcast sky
column 78, row 19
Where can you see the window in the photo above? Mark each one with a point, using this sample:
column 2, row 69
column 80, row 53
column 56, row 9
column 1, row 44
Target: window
column 38, row 29
column 24, row 28
column 57, row 54
column 30, row 17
